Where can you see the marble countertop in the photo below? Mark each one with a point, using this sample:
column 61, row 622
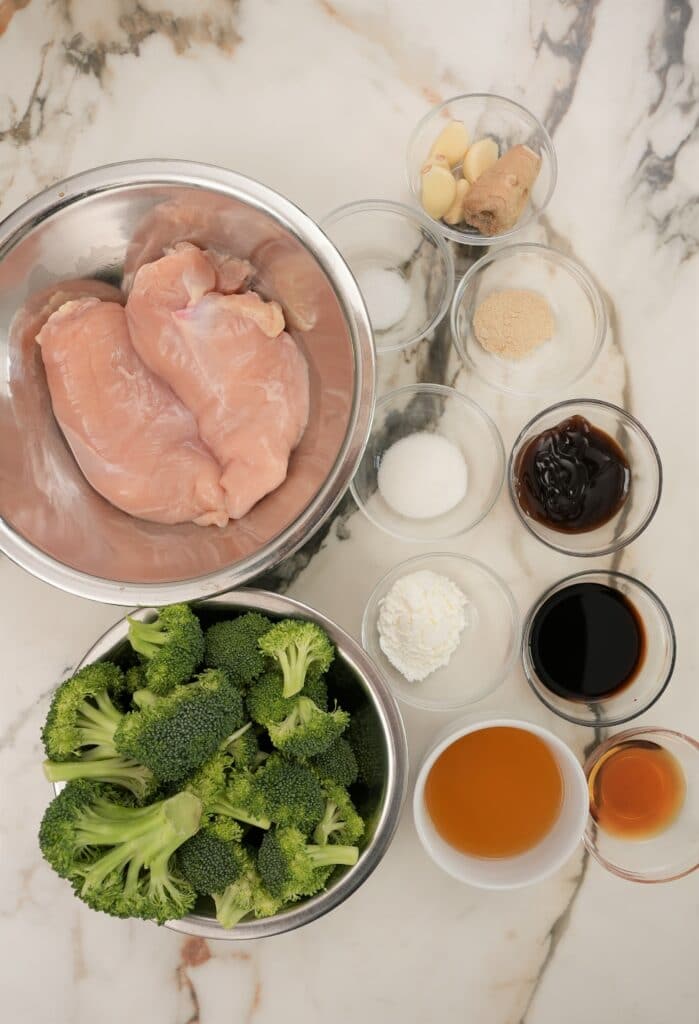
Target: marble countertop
column 317, row 99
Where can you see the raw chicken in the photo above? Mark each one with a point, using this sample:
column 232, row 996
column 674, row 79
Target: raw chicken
column 230, row 362
column 133, row 439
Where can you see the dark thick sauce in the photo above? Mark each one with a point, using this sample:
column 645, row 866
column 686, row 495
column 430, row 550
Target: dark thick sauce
column 587, row 642
column 573, row 477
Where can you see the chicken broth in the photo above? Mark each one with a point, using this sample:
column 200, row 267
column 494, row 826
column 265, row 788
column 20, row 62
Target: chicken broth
column 495, row 792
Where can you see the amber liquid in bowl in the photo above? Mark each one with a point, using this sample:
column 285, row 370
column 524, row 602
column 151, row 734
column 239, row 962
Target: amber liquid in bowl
column 495, row 792
column 636, row 790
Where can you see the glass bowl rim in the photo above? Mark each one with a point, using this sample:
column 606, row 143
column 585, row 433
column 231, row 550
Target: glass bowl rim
column 577, row 271
column 515, row 622
column 422, row 221
column 617, row 545
column 477, row 239
column 536, row 685
column 590, row 762
column 447, row 392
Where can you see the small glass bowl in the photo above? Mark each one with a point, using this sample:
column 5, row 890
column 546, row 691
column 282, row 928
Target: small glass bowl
column 672, row 853
column 489, row 642
column 579, row 314
column 652, row 676
column 441, row 409
column 644, row 490
column 510, row 124
column 403, row 267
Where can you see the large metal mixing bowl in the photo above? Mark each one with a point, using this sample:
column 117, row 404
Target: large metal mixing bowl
column 104, row 224
column 359, row 687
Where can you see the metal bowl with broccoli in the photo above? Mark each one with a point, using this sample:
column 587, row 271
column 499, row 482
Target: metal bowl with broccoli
column 232, row 769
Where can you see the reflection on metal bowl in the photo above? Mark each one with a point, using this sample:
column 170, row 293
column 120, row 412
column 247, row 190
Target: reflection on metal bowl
column 104, row 224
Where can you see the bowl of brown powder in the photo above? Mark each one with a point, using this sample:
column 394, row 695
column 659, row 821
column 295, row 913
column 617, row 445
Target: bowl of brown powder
column 528, row 320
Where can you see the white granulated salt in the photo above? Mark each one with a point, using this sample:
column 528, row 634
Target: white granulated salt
column 386, row 294
column 420, row 623
column 422, row 476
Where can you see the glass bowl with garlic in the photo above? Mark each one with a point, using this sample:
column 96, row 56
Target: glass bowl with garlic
column 482, row 167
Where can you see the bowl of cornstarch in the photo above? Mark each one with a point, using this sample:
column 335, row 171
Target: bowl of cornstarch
column 434, row 464
column 444, row 630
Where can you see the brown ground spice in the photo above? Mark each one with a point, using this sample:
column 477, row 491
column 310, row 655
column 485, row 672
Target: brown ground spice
column 514, row 322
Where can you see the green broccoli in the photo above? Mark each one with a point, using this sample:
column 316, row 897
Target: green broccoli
column 266, row 701
column 79, row 733
column 136, row 679
column 243, row 748
column 175, row 734
column 292, row 793
column 291, row 868
column 246, row 895
column 340, row 823
column 172, row 646
column 230, row 792
column 302, row 650
column 232, row 646
column 307, row 731
column 208, row 862
column 119, row 857
column 337, row 763
column 365, row 736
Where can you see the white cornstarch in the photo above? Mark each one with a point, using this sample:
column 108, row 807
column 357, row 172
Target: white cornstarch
column 420, row 623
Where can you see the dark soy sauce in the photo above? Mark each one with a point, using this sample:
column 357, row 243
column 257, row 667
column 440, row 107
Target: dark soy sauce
column 587, row 642
column 573, row 477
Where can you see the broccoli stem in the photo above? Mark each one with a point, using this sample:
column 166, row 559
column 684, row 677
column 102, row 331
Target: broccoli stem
column 235, row 735
column 294, row 663
column 146, row 637
column 229, row 911
column 324, row 856
column 98, row 723
column 222, row 806
column 142, row 698
column 109, row 769
column 328, row 825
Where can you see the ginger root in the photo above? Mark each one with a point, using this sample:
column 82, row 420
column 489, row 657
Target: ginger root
column 495, row 201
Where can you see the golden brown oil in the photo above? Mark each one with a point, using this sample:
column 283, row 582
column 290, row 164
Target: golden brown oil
column 636, row 790
column 495, row 792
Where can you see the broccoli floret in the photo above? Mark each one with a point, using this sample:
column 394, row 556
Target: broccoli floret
column 119, row 858
column 302, row 650
column 136, row 679
column 243, row 748
column 292, row 793
column 230, row 792
column 291, row 868
column 79, row 733
column 172, row 646
column 82, row 714
column 266, row 701
column 307, row 731
column 208, row 862
column 340, row 823
column 175, row 734
column 232, row 646
column 246, row 895
column 365, row 736
column 337, row 763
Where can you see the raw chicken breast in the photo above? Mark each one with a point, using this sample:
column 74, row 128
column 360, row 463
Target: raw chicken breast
column 228, row 360
column 135, row 442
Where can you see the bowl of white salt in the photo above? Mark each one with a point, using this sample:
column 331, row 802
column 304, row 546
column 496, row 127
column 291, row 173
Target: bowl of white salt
column 402, row 265
column 433, row 467
column 444, row 630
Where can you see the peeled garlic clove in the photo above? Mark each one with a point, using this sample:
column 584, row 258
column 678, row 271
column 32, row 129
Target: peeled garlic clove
column 452, row 142
column 479, row 158
column 438, row 189
column 455, row 213
column 437, row 158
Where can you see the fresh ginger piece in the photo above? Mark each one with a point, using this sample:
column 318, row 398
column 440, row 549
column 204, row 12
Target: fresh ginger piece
column 495, row 201
column 452, row 142
column 479, row 158
column 438, row 188
column 455, row 213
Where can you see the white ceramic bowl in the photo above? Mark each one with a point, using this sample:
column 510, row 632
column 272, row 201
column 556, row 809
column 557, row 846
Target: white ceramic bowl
column 526, row 868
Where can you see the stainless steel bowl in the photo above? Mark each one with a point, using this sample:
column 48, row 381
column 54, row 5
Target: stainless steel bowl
column 104, row 224
column 360, row 687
